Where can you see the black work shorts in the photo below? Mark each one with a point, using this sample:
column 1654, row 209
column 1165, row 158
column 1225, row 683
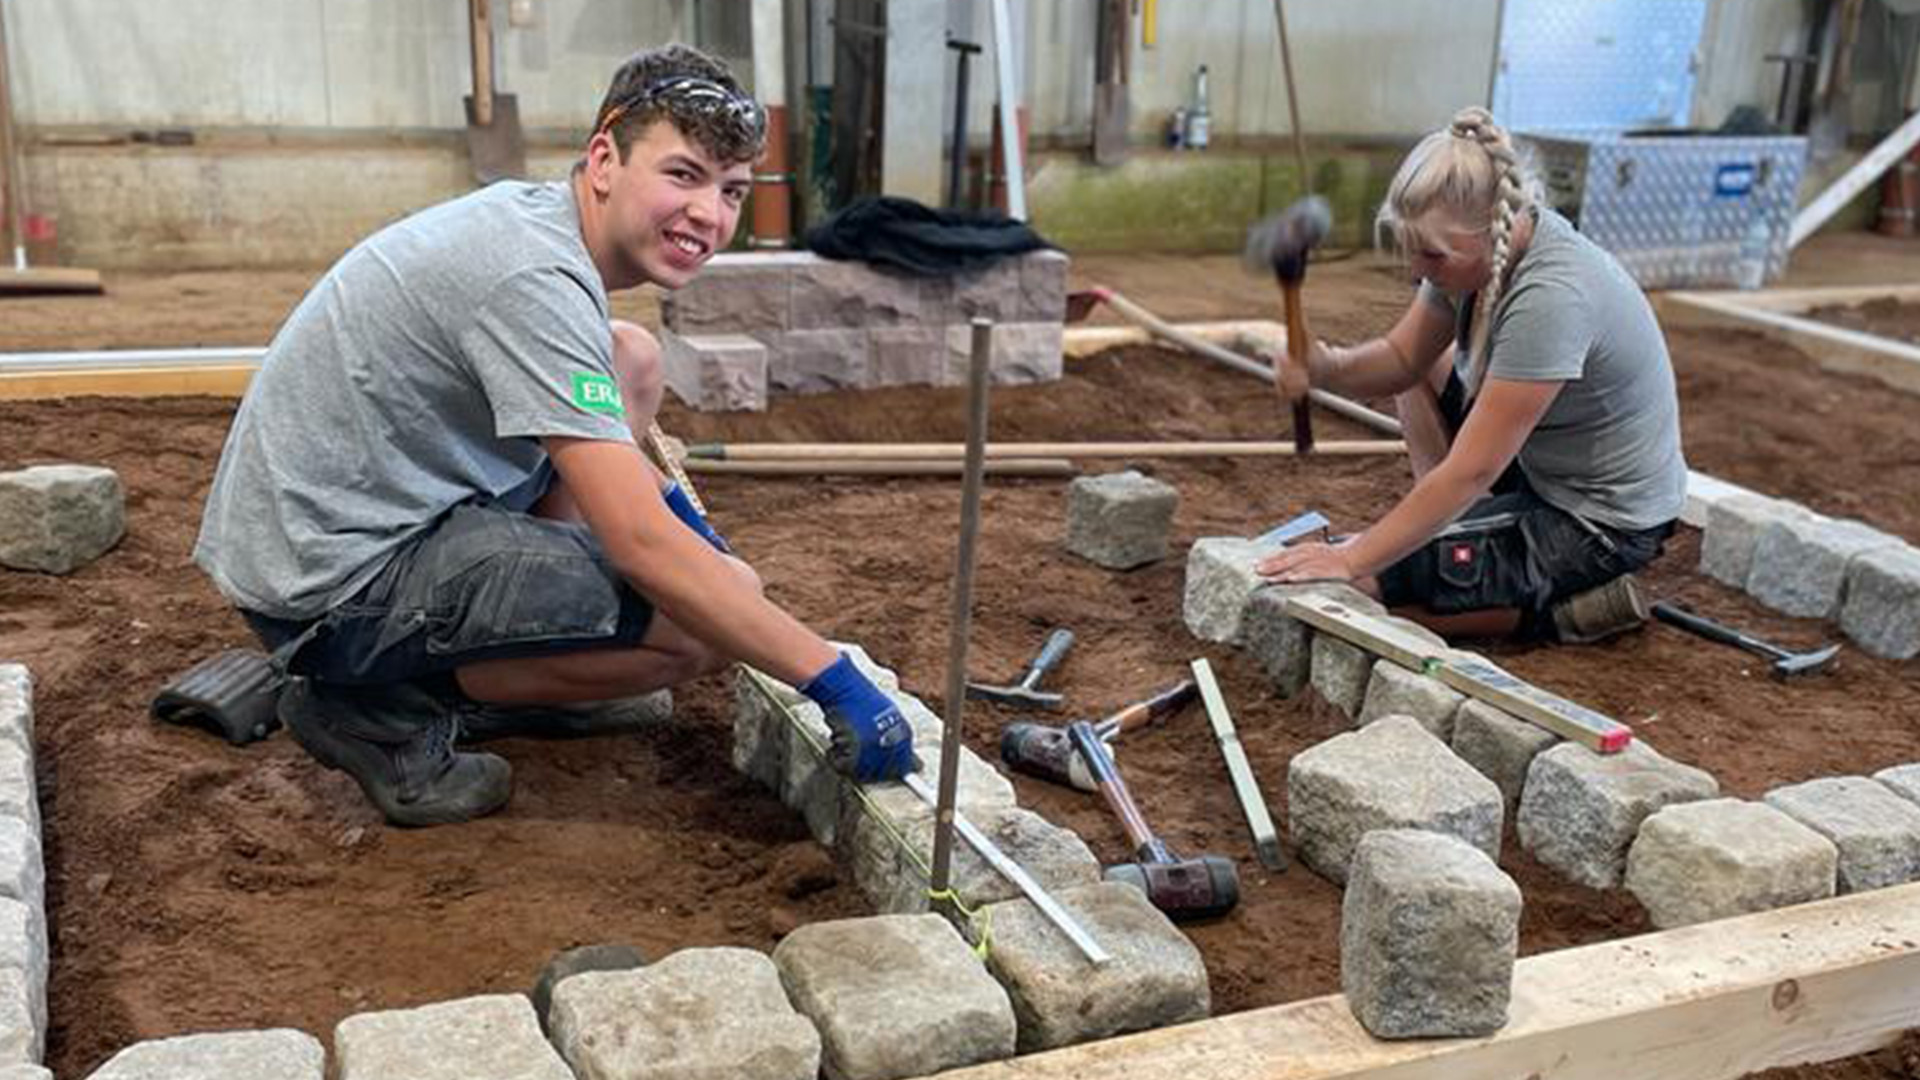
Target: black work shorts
column 1513, row 549
column 485, row 583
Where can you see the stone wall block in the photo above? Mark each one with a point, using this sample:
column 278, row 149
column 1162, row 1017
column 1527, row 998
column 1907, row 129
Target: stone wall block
column 1881, row 611
column 818, row 361
column 1023, row 353
column 1717, row 858
column 1341, row 673
column 894, row 996
column 490, row 1037
column 1580, row 810
column 1283, row 644
column 1391, row 774
column 1502, row 747
column 692, row 1015
column 1396, row 691
column 1877, row 831
column 716, row 372
column 738, row 293
column 1800, row 564
column 1120, row 520
column 907, row 356
column 836, row 295
column 1733, row 525
column 1220, row 582
column 1429, row 929
column 58, row 518
column 277, row 1054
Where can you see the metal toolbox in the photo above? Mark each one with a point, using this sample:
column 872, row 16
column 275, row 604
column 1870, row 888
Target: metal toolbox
column 1678, row 209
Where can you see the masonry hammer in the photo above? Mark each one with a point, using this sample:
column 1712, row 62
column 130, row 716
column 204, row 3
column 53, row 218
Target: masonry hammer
column 1280, row 242
column 1197, row 888
column 1045, row 751
column 1786, row 664
column 1023, row 694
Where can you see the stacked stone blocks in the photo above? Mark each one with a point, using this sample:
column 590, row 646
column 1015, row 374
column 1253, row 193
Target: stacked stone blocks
column 830, row 325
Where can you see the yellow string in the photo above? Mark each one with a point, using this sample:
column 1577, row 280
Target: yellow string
column 980, row 922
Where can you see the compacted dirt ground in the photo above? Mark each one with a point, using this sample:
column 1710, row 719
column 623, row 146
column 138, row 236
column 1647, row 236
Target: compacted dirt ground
column 193, row 886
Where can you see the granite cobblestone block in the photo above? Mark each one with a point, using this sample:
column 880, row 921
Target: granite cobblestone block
column 1120, row 520
column 58, row 518
column 1580, row 810
column 1881, row 608
column 1800, row 563
column 490, row 1037
column 1733, row 525
column 16, row 706
column 1877, row 831
column 1282, row 644
column 1341, row 673
column 1502, row 747
column 276, row 1054
column 1903, row 779
column 1717, row 858
column 1393, row 690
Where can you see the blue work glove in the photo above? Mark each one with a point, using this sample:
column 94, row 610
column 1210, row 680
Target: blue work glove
column 682, row 507
column 871, row 740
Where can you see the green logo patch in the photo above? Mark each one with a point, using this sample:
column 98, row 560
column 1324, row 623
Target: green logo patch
column 597, row 393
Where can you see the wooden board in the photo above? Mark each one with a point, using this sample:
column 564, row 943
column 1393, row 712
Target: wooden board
column 1835, row 348
column 1709, row 1002
column 49, row 279
column 219, row 380
column 1472, row 675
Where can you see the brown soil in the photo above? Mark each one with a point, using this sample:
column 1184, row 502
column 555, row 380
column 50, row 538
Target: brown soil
column 193, row 886
column 1886, row 317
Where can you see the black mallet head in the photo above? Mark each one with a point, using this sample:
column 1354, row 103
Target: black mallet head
column 1280, row 242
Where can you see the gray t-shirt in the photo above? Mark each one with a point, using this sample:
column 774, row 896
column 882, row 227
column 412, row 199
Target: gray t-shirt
column 419, row 374
column 1608, row 448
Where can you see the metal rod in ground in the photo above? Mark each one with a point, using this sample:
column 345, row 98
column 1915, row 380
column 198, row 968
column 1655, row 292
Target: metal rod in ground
column 1265, row 843
column 1012, row 871
column 962, row 619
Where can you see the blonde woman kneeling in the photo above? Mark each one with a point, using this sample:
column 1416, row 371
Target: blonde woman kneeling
column 1539, row 407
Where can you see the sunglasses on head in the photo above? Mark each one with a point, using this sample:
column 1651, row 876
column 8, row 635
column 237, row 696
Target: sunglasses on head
column 691, row 94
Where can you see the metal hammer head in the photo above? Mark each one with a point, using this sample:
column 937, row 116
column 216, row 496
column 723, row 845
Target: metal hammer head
column 1045, row 752
column 1202, row 888
column 1280, row 242
column 1789, row 665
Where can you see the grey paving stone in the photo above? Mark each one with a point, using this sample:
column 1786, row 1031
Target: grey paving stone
column 1391, row 774
column 1155, row 978
column 1903, row 779
column 58, row 518
column 696, row 1014
column 16, row 705
column 1502, row 747
column 1733, row 525
column 1283, row 644
column 1396, row 691
column 1220, row 581
column 894, row 996
column 1120, row 520
column 1881, row 611
column 22, row 868
column 1341, row 672
column 23, row 1017
column 19, row 797
column 1800, row 564
column 1429, row 928
column 1877, row 831
column 275, row 1054
column 716, row 372
column 491, row 1037
column 575, row 961
column 24, row 1072
column 894, row 878
column 1714, row 859
column 819, row 361
column 23, row 946
column 1580, row 810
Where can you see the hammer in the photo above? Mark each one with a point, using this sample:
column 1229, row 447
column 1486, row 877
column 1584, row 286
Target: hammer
column 1022, row 693
column 1201, row 888
column 1045, row 751
column 1281, row 242
column 1786, row 664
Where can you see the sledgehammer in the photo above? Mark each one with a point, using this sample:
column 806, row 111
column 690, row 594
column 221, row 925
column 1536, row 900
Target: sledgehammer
column 1198, row 888
column 1786, row 664
column 1280, row 243
column 1045, row 751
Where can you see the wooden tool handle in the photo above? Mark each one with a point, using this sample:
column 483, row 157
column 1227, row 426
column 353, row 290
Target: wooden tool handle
column 1292, row 378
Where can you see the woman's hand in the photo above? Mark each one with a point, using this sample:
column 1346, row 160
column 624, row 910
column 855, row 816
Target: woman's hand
column 1308, row 562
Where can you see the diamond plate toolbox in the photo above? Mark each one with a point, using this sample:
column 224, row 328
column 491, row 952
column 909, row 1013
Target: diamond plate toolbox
column 1680, row 210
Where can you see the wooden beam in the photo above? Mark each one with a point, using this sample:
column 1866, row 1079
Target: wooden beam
column 999, row 451
column 1834, row 348
column 1472, row 675
column 1855, row 180
column 48, row 279
column 1714, row 1001
column 218, row 380
column 881, row 467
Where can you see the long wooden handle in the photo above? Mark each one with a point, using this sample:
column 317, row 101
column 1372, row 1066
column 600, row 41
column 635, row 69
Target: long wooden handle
column 480, row 25
column 1292, row 382
column 881, row 467
column 741, row 452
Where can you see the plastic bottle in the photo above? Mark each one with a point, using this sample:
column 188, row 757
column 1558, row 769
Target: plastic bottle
column 1199, row 118
column 1751, row 271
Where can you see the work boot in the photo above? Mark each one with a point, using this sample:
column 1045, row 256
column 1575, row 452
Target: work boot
column 1601, row 612
column 480, row 722
column 396, row 741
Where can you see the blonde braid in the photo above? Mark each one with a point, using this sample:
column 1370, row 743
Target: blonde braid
column 1476, row 125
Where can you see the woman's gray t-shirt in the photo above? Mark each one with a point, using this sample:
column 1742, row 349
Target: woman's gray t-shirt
column 1608, row 448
